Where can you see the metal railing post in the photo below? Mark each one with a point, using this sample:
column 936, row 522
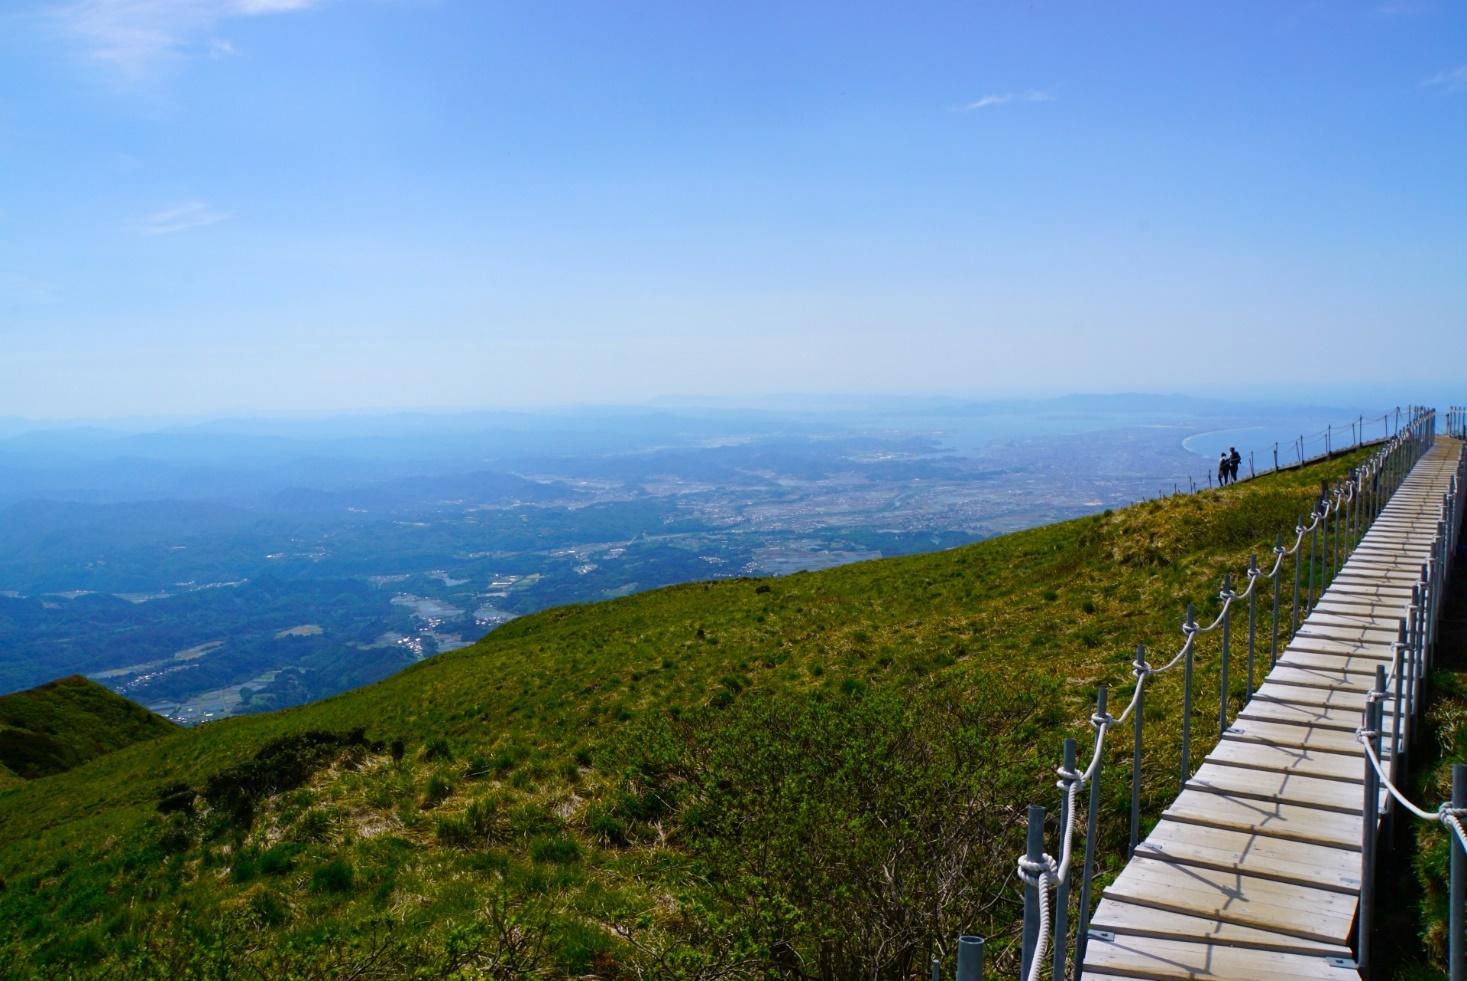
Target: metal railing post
column 1315, row 520
column 1252, row 614
column 1413, row 620
column 1365, row 921
column 1035, row 855
column 1401, row 660
column 1092, row 817
column 970, row 958
column 1062, row 893
column 1400, row 704
column 1298, row 547
column 1331, row 543
column 1189, row 628
column 1354, row 522
column 1227, row 631
column 1278, row 561
column 1141, row 670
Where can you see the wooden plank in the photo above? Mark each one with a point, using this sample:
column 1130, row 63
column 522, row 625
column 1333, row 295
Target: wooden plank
column 1343, row 648
column 1330, row 627
column 1379, row 575
column 1278, row 819
column 1293, row 713
column 1323, row 623
column 1127, row 919
column 1393, row 549
column 1380, row 613
column 1332, row 698
column 1178, row 960
column 1354, row 604
column 1295, row 737
column 1253, row 854
column 1287, row 759
column 1287, row 788
column 1314, row 914
column 1356, row 664
column 1374, row 588
column 1318, row 678
column 1389, row 552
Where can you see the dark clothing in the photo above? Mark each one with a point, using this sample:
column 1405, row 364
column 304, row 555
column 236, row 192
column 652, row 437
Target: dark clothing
column 1222, row 472
column 1233, row 462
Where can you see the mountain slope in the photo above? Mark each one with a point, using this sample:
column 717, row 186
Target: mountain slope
column 65, row 723
column 791, row 776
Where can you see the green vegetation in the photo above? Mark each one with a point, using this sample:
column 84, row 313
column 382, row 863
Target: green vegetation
column 820, row 776
column 65, row 723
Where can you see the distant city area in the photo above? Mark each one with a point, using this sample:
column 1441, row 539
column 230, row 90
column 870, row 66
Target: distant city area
column 235, row 567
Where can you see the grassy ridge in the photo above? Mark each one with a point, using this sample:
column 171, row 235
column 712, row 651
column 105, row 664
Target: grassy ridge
column 546, row 800
column 64, row 723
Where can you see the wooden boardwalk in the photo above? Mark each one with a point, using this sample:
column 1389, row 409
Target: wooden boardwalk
column 1254, row 870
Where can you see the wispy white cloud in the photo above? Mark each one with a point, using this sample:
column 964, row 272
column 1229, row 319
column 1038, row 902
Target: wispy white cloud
column 180, row 217
column 1451, row 80
column 131, row 38
column 1005, row 98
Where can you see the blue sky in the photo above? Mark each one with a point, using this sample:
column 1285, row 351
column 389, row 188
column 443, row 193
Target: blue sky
column 226, row 205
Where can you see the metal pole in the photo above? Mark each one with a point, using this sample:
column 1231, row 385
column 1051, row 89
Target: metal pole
column 1275, row 456
column 1062, row 893
column 1349, row 515
column 1140, row 714
column 1324, row 563
column 1190, row 629
column 1455, row 956
column 1273, row 651
column 1252, row 614
column 970, row 958
column 1313, row 543
column 1222, row 698
column 1035, row 855
column 1413, row 619
column 1092, row 816
column 1400, row 664
column 1298, row 541
column 1366, row 919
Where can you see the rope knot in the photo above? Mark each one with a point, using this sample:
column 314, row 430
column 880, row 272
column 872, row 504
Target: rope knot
column 1140, row 670
column 1033, row 872
column 1067, row 777
column 1102, row 721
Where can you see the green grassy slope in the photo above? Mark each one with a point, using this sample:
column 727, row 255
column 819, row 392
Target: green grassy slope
column 64, row 723
column 714, row 779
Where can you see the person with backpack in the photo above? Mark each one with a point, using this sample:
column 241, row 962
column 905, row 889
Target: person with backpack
column 1234, row 458
column 1222, row 469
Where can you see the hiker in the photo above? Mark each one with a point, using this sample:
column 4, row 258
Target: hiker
column 1222, row 469
column 1234, row 458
